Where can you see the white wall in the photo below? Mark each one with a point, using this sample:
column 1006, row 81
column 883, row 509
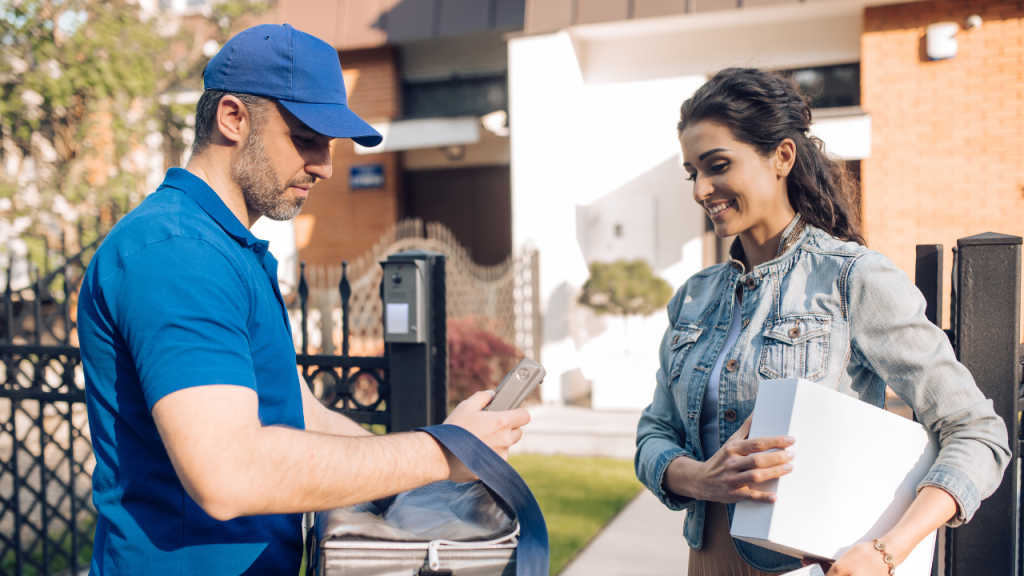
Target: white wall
column 281, row 236
column 593, row 112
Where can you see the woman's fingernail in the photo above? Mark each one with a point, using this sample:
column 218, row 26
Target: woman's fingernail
column 790, row 440
column 771, row 497
column 790, row 454
column 787, row 467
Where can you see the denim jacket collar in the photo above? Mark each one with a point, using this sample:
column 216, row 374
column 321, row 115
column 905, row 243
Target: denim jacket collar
column 736, row 253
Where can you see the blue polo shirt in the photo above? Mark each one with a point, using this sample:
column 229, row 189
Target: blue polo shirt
column 180, row 294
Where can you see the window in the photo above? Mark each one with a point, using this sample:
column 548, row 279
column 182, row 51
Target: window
column 829, row 86
column 455, row 97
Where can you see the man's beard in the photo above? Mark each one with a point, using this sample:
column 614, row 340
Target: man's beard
column 261, row 189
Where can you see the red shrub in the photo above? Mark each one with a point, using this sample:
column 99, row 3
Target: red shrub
column 478, row 358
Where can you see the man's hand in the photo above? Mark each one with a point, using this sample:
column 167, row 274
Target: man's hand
column 499, row 430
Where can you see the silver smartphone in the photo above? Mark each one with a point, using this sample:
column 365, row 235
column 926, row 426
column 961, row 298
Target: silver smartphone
column 517, row 385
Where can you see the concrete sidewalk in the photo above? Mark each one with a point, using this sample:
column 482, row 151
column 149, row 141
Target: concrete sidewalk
column 574, row 431
column 644, row 539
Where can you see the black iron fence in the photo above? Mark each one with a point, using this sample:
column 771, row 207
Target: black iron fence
column 357, row 386
column 47, row 518
column 985, row 310
column 403, row 389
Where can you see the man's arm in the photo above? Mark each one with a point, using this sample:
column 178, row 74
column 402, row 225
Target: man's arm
column 234, row 466
column 320, row 418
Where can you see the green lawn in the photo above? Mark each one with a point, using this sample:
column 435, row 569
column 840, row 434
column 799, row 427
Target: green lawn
column 577, row 495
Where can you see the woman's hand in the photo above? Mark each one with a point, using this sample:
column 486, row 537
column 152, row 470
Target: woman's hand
column 932, row 508
column 861, row 560
column 726, row 477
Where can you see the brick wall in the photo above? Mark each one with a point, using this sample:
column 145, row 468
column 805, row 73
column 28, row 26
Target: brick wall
column 337, row 223
column 947, row 157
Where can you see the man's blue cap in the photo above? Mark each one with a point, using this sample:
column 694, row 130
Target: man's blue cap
column 300, row 71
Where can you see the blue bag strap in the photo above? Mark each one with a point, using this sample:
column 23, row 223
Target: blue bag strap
column 496, row 474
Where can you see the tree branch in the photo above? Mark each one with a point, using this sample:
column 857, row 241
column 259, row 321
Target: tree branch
column 198, row 38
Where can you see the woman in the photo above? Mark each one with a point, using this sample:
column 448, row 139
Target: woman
column 799, row 297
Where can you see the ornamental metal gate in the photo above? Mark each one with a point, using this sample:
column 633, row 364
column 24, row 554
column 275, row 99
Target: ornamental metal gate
column 405, row 388
column 47, row 518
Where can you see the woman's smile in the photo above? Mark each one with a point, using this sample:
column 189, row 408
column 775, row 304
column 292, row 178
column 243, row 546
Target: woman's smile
column 715, row 210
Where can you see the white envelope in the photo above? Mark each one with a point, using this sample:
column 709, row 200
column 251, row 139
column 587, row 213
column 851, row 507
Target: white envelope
column 855, row 473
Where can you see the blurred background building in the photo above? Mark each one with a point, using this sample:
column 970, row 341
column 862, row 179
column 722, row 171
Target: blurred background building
column 547, row 127
column 432, row 78
column 595, row 88
column 552, row 123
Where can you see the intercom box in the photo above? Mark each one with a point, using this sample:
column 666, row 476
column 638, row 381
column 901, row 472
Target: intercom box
column 405, row 301
column 855, row 473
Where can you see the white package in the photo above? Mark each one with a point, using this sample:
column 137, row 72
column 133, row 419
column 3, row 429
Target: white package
column 855, row 472
column 812, row 570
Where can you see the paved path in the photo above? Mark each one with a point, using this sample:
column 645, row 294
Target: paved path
column 645, row 539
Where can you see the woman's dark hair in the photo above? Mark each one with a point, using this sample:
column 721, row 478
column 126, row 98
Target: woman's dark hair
column 763, row 108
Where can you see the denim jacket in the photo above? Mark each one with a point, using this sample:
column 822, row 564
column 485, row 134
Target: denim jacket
column 834, row 313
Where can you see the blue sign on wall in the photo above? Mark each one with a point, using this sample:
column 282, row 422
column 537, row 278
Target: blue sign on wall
column 366, row 176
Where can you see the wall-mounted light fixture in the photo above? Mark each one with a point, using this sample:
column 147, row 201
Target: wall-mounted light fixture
column 940, row 40
column 454, row 153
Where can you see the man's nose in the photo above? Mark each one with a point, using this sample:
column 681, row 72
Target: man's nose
column 320, row 164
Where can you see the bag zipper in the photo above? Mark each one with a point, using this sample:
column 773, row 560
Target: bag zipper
column 434, row 561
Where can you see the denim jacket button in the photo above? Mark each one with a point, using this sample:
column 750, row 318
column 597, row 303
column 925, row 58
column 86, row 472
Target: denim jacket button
column 746, row 321
column 732, row 365
column 730, row 415
column 794, row 331
column 751, row 283
column 676, row 339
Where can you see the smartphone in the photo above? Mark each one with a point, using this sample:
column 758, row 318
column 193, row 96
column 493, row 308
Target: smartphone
column 517, row 385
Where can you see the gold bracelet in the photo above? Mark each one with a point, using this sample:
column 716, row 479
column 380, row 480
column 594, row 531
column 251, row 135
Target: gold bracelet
column 886, row 557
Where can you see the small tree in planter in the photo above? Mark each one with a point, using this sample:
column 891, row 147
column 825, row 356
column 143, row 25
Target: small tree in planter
column 625, row 289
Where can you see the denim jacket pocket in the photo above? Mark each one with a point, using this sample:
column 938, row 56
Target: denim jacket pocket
column 684, row 336
column 796, row 346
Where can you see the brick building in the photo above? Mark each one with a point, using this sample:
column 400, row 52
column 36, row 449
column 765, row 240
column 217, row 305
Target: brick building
column 423, row 72
column 337, row 222
column 947, row 157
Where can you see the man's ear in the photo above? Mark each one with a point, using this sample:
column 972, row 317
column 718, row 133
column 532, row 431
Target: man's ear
column 233, row 121
column 785, row 157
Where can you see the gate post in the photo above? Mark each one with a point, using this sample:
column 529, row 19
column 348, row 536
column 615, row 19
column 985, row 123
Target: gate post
column 414, row 285
column 928, row 278
column 988, row 333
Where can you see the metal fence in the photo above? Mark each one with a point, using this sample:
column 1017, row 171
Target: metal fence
column 504, row 298
column 47, row 518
